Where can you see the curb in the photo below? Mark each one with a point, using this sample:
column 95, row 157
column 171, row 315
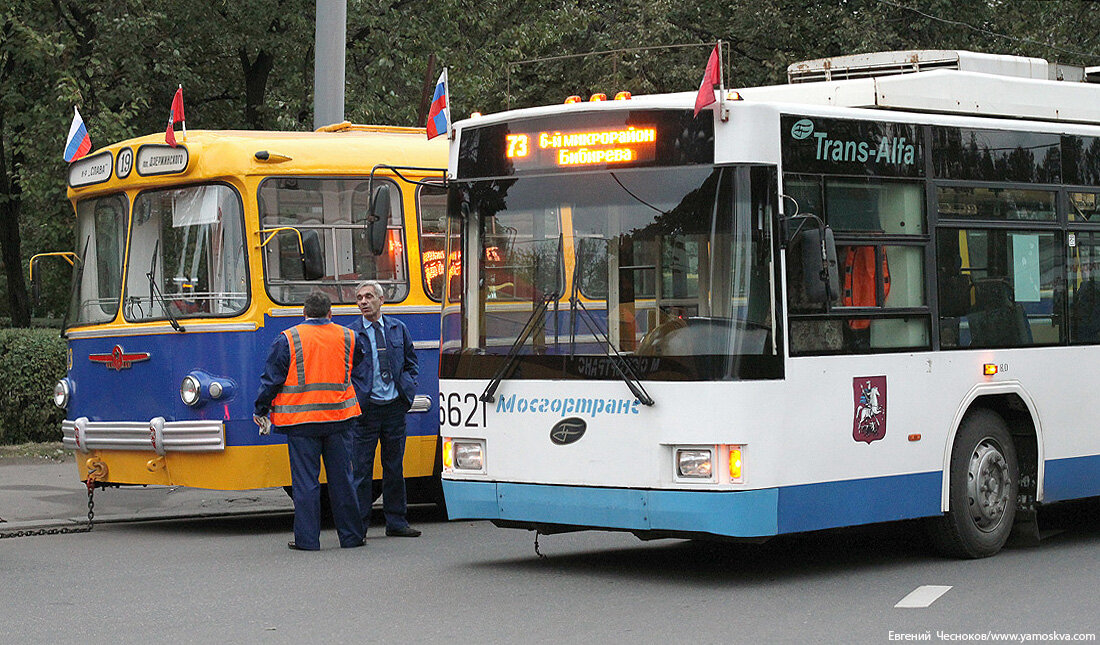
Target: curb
column 25, row 525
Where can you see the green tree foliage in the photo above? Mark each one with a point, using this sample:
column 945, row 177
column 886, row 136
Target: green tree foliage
column 249, row 64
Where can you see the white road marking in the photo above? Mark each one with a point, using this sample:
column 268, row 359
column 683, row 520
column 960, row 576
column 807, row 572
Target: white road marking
column 922, row 596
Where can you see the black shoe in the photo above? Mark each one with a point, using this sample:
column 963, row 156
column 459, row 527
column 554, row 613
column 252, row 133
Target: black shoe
column 295, row 547
column 353, row 546
column 405, row 531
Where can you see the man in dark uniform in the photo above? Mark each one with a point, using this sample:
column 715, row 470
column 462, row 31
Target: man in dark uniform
column 306, row 386
column 386, row 384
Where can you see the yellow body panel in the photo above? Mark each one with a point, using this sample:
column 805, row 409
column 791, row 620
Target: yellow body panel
column 237, row 468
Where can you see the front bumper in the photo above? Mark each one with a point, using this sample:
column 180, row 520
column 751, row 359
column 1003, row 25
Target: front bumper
column 743, row 514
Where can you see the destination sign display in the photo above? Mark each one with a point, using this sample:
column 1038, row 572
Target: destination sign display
column 605, row 139
column 161, row 160
column 631, row 144
column 95, row 169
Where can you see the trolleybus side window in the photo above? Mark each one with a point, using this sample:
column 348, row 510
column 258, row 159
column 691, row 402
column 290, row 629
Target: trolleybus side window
column 996, row 203
column 1083, row 286
column 1084, row 207
column 1081, row 160
column 331, row 215
column 996, row 155
column 880, row 241
column 999, row 288
column 188, row 245
column 431, row 206
column 97, row 276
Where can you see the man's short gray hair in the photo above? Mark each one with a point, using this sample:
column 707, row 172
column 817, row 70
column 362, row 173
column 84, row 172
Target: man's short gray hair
column 373, row 284
column 317, row 305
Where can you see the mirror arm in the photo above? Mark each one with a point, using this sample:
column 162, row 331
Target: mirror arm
column 68, row 256
column 396, row 170
column 272, row 232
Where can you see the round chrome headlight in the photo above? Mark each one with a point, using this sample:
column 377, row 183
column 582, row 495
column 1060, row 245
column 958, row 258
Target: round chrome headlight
column 61, row 394
column 189, row 390
column 215, row 390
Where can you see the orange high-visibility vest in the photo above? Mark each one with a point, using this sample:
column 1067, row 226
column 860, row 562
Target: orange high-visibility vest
column 318, row 384
column 859, row 281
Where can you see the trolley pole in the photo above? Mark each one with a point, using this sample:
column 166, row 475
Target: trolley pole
column 328, row 62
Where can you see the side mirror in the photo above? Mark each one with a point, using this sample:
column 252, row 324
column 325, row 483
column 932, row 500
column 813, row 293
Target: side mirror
column 378, row 219
column 313, row 261
column 820, row 276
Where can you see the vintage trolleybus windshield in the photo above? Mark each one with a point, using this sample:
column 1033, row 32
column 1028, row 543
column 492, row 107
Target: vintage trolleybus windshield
column 670, row 266
column 187, row 255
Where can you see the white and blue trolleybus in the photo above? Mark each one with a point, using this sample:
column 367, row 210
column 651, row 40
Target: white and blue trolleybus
column 871, row 294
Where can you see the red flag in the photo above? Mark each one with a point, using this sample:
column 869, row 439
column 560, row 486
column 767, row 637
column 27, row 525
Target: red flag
column 710, row 77
column 174, row 115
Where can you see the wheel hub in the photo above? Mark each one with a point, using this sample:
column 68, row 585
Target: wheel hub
column 988, row 486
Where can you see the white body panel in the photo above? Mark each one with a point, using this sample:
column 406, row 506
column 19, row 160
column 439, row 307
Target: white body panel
column 798, row 430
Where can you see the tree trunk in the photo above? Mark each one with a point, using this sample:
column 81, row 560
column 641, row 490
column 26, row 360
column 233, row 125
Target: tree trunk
column 10, row 201
column 255, row 84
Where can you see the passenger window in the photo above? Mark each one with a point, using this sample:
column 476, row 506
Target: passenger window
column 881, row 273
column 331, row 215
column 432, row 210
column 996, row 203
column 1084, row 207
column 999, row 288
column 895, row 208
column 1083, row 280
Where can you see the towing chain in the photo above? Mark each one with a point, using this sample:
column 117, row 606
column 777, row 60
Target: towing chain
column 56, row 530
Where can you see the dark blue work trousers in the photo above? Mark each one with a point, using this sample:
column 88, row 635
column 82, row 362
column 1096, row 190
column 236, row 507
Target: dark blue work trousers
column 383, row 424
column 306, row 453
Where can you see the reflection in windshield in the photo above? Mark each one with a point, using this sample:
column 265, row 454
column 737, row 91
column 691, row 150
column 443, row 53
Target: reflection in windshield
column 672, row 268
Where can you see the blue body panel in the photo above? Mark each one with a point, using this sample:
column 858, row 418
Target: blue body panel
column 750, row 513
column 150, row 388
column 1071, row 478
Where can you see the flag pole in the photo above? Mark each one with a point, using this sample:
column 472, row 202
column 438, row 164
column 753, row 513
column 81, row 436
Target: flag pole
column 184, row 121
column 723, row 113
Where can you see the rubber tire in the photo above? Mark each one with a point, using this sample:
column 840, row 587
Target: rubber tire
column 956, row 533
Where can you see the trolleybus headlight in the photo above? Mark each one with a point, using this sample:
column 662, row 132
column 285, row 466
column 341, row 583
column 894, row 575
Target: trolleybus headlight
column 468, row 455
column 189, row 390
column 694, row 463
column 61, row 393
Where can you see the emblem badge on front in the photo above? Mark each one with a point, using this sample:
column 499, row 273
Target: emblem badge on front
column 568, row 431
column 118, row 359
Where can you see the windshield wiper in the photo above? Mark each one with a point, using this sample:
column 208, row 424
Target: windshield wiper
column 533, row 321
column 618, row 361
column 154, row 291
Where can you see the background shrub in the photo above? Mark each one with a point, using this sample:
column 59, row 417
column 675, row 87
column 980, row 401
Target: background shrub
column 31, row 363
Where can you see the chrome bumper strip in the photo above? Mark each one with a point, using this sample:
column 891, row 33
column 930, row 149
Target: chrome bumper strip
column 177, row 436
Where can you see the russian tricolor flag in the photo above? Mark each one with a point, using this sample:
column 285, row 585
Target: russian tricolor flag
column 439, row 116
column 79, row 143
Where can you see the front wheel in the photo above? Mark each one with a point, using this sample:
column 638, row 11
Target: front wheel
column 982, row 497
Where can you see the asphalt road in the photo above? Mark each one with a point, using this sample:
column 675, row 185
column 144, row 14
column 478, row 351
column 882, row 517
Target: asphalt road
column 232, row 579
column 224, row 574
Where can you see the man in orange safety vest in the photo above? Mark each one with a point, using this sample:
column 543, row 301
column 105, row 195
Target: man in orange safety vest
column 306, row 388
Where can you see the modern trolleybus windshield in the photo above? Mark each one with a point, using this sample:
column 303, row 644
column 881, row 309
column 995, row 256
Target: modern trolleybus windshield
column 672, row 267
